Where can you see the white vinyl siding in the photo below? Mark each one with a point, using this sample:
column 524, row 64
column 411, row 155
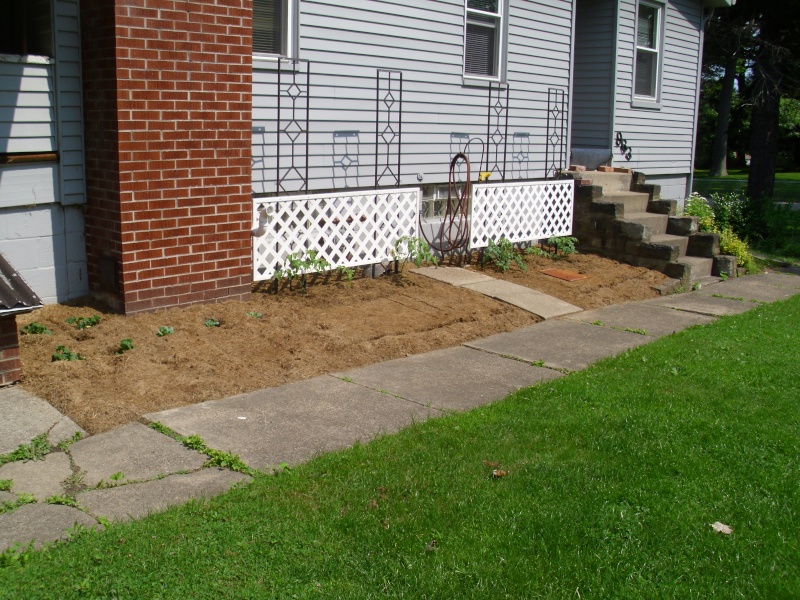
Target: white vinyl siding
column 661, row 140
column 347, row 43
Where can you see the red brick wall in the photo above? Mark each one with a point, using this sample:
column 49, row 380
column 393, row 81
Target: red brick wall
column 168, row 144
column 10, row 364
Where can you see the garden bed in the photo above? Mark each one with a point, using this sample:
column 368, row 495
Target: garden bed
column 274, row 339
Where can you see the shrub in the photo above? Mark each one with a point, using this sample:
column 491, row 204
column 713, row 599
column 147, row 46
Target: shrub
column 697, row 206
column 731, row 244
column 729, row 212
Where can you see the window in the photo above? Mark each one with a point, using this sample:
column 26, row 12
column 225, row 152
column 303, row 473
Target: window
column 275, row 27
column 648, row 51
column 483, row 38
column 26, row 27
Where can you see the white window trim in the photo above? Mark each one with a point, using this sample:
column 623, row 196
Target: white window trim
column 292, row 33
column 502, row 15
column 638, row 101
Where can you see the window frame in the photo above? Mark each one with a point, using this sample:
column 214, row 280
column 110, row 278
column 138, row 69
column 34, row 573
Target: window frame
column 641, row 100
column 290, row 34
column 501, row 18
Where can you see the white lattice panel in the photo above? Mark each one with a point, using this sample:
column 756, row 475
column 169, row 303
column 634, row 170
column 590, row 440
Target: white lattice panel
column 520, row 211
column 347, row 229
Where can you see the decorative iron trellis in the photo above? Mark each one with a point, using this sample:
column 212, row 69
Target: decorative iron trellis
column 388, row 126
column 497, row 129
column 521, row 212
column 556, row 142
column 292, row 124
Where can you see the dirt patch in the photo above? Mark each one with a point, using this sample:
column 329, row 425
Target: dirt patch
column 333, row 325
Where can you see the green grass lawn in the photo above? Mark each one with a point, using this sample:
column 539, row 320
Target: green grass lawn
column 742, row 174
column 614, row 477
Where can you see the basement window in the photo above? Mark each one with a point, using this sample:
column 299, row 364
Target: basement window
column 26, row 27
column 275, row 28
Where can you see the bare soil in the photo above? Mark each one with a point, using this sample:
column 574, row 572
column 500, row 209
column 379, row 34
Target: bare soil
column 332, row 325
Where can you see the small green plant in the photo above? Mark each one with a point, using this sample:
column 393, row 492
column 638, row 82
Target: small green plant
column 62, row 501
column 696, row 286
column 35, row 328
column 125, row 345
column 84, row 322
column 212, row 322
column 37, row 449
column 164, row 330
column 255, row 315
column 537, row 251
column 638, row 331
column 6, row 485
column 118, row 476
column 414, row 249
column 64, row 444
column 598, row 322
column 347, row 273
column 730, row 243
column 21, row 500
column 697, row 206
column 562, row 246
column 64, row 353
column 501, row 254
column 299, row 264
column 723, row 276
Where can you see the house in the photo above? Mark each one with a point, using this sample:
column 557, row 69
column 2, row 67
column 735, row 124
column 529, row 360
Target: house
column 141, row 143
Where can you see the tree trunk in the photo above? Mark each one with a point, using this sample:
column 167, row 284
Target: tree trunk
column 763, row 144
column 719, row 151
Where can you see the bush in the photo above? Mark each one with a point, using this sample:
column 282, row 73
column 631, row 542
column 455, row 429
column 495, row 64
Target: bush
column 697, row 206
column 731, row 244
column 783, row 231
column 729, row 212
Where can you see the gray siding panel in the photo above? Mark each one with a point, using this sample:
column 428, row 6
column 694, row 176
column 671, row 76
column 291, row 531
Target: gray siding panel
column 661, row 138
column 424, row 39
column 27, row 111
column 594, row 74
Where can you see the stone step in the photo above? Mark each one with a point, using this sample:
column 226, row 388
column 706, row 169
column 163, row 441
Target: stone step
column 664, row 247
column 690, row 269
column 656, row 223
column 619, row 204
column 611, row 182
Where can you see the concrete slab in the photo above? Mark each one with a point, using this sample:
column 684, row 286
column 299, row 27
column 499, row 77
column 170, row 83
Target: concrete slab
column 561, row 344
column 137, row 500
column 40, row 478
column 749, row 288
column 788, row 277
column 23, row 416
column 41, row 523
column 455, row 276
column 538, row 303
column 7, row 497
column 294, row 422
column 134, row 450
column 702, row 304
column 454, row 378
column 655, row 320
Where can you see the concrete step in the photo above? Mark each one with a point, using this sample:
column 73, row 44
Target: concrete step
column 634, row 202
column 611, row 182
column 690, row 269
column 657, row 224
column 664, row 247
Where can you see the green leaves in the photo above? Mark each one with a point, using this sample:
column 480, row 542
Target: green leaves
column 35, row 328
column 64, row 353
column 84, row 322
column 212, row 322
column 501, row 254
column 124, row 346
column 164, row 330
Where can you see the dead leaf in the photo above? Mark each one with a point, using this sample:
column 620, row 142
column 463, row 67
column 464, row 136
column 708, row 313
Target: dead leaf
column 497, row 473
column 431, row 546
column 491, row 465
column 721, row 528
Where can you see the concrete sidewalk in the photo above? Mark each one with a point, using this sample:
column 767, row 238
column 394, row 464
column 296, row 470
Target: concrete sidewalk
column 134, row 470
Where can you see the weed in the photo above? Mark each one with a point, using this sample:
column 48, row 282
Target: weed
column 537, row 363
column 211, row 322
column 737, row 298
column 84, row 322
column 346, row 379
column 21, row 500
column 598, row 322
column 38, row 448
column 216, row 458
column 62, row 500
column 723, row 276
column 537, row 251
column 502, row 254
column 124, row 346
column 6, row 485
column 118, row 476
column 562, row 246
column 64, row 353
column 161, row 428
column 696, row 286
column 35, row 328
column 255, row 315
column 414, row 249
column 164, row 330
column 633, row 330
column 64, row 444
